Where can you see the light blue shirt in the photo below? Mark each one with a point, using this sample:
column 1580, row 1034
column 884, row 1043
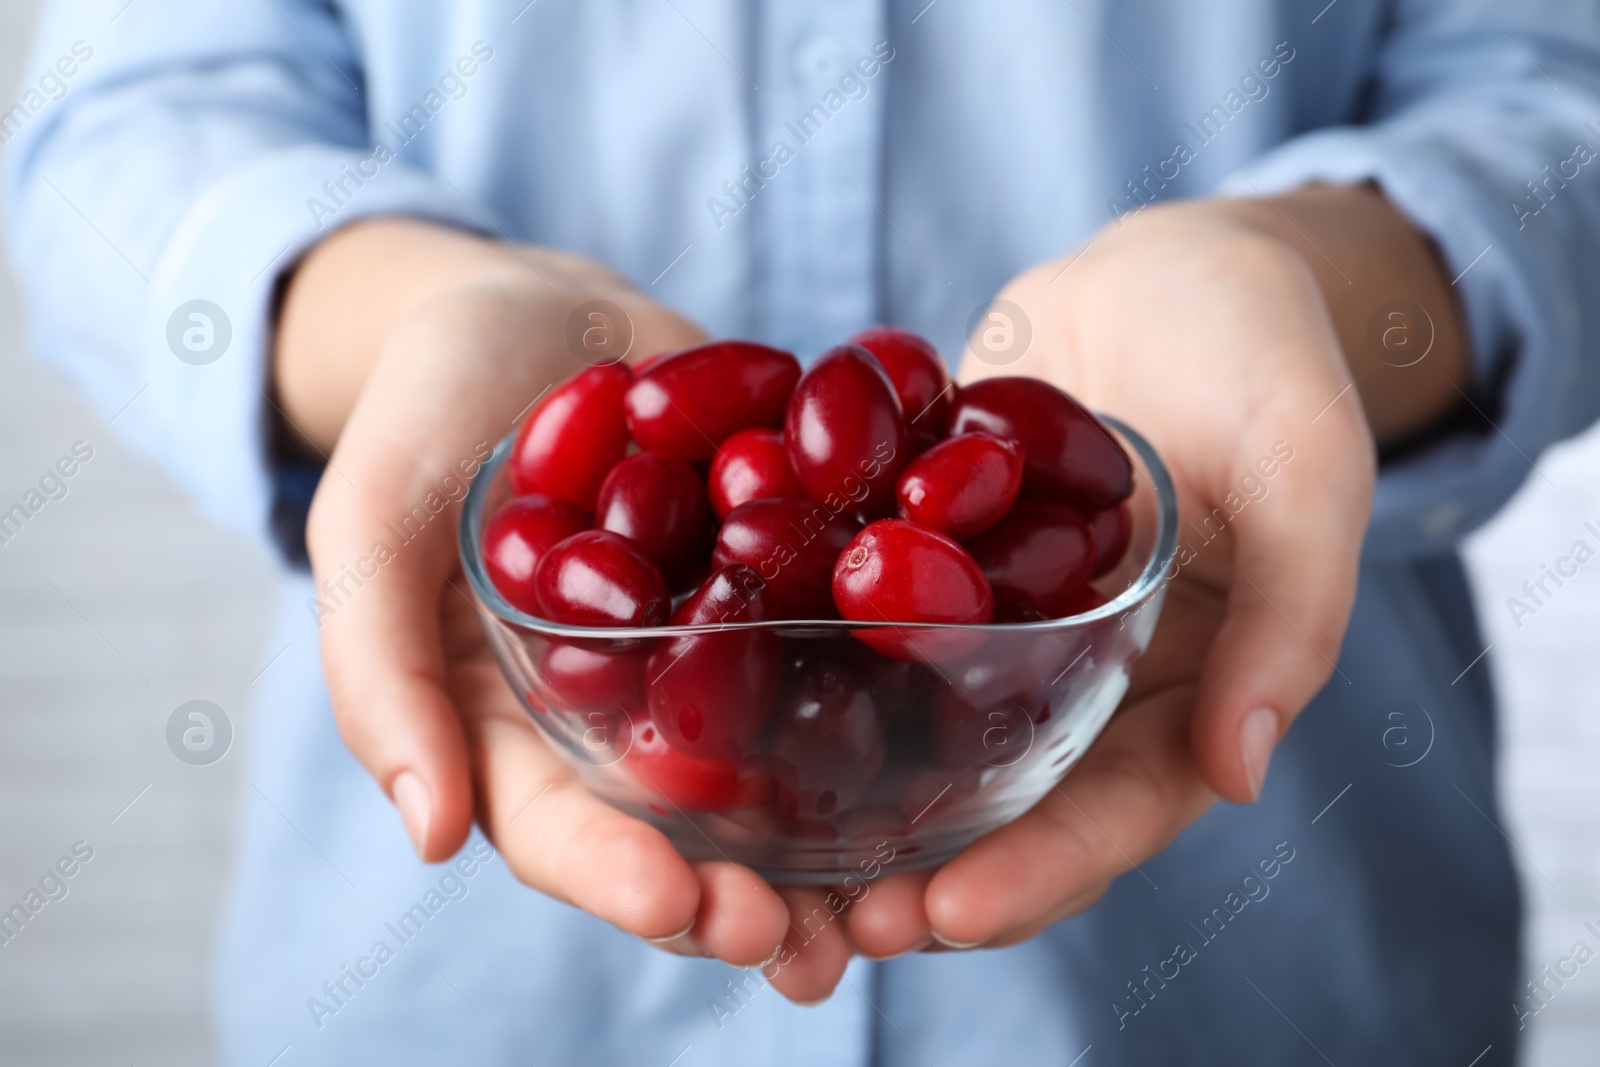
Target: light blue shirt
column 793, row 172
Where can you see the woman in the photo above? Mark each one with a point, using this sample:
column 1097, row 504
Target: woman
column 292, row 221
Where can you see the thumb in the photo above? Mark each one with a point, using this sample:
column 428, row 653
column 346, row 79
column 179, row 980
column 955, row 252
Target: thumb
column 1296, row 553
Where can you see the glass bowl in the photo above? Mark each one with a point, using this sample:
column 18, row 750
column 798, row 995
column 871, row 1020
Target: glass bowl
column 865, row 761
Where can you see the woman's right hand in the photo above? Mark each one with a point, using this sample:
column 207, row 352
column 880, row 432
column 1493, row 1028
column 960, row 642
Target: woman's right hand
column 473, row 335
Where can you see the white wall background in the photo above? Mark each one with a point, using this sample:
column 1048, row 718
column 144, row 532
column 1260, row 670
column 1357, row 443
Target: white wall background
column 1547, row 675
column 117, row 604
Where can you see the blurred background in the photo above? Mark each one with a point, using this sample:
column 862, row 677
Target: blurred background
column 118, row 604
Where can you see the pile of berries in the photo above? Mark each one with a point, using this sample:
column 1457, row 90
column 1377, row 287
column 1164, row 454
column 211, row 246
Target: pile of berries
column 869, row 488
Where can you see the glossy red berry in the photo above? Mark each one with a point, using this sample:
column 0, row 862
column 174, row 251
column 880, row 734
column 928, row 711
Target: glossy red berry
column 660, row 505
column 962, row 485
column 573, row 437
column 829, row 735
column 598, row 578
column 583, row 680
column 897, row 571
column 518, row 536
column 688, row 403
column 1037, row 557
column 1113, row 529
column 844, row 432
column 1068, row 453
column 751, row 465
column 684, row 781
column 711, row 693
column 920, row 379
column 792, row 545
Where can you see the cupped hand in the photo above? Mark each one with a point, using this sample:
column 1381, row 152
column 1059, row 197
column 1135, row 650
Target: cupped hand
column 416, row 690
column 1215, row 342
column 1209, row 337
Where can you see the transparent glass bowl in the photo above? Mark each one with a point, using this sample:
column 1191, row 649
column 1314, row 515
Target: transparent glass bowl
column 864, row 760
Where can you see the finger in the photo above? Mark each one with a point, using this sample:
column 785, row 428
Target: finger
column 560, row 839
column 1191, row 614
column 889, row 919
column 382, row 553
column 382, row 556
column 1067, row 908
column 381, row 656
column 1131, row 794
column 1293, row 582
column 815, row 951
column 657, row 329
column 1032, row 928
column 742, row 920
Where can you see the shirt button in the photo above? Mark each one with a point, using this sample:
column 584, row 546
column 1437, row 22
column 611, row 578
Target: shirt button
column 820, row 60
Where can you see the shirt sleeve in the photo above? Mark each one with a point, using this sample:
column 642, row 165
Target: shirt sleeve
column 158, row 191
column 1483, row 127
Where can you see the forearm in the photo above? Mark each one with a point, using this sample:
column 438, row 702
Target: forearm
column 1366, row 255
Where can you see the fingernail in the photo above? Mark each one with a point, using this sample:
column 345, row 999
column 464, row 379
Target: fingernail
column 672, row 937
column 416, row 808
column 1258, row 735
column 768, row 962
column 918, row 947
column 947, row 943
column 812, row 1003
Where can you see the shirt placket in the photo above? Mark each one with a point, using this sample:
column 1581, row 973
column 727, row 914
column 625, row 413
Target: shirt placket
column 818, row 126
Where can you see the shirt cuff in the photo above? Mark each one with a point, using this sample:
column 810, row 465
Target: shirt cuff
column 210, row 313
column 1426, row 502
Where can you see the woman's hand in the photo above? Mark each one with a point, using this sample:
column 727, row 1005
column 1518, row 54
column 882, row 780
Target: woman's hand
column 1215, row 329
column 1211, row 326
column 414, row 349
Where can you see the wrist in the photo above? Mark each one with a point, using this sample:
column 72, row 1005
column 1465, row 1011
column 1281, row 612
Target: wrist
column 1400, row 327
column 348, row 295
column 1379, row 280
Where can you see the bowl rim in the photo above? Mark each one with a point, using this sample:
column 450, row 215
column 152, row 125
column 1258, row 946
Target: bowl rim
column 1150, row 579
